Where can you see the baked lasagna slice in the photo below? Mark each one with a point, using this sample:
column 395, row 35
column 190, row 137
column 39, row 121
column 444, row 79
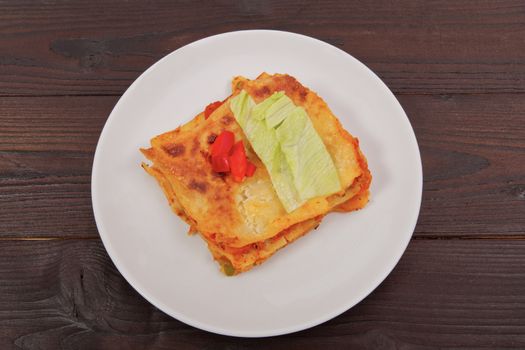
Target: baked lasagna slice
column 304, row 164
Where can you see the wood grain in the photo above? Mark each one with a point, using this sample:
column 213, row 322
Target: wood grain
column 473, row 151
column 46, row 153
column 100, row 47
column 448, row 294
column 458, row 68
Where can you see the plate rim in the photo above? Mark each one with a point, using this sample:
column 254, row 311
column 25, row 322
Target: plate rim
column 128, row 276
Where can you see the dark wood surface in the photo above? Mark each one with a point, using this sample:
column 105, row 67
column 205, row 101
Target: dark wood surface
column 452, row 293
column 100, row 47
column 458, row 69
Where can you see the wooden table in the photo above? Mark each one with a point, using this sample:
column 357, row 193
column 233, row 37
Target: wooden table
column 458, row 69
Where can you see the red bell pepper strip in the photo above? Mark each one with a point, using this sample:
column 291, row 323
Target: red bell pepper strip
column 250, row 169
column 220, row 163
column 238, row 162
column 223, row 143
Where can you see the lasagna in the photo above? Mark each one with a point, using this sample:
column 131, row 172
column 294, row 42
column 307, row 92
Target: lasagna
column 260, row 169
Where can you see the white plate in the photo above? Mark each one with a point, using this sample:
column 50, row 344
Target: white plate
column 314, row 279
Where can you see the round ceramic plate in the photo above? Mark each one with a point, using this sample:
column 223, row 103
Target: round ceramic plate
column 312, row 280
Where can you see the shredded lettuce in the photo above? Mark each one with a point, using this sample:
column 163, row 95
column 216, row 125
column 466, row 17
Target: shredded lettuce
column 283, row 137
column 312, row 167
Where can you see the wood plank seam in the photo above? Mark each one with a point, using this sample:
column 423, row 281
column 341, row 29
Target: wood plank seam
column 396, row 93
column 517, row 237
